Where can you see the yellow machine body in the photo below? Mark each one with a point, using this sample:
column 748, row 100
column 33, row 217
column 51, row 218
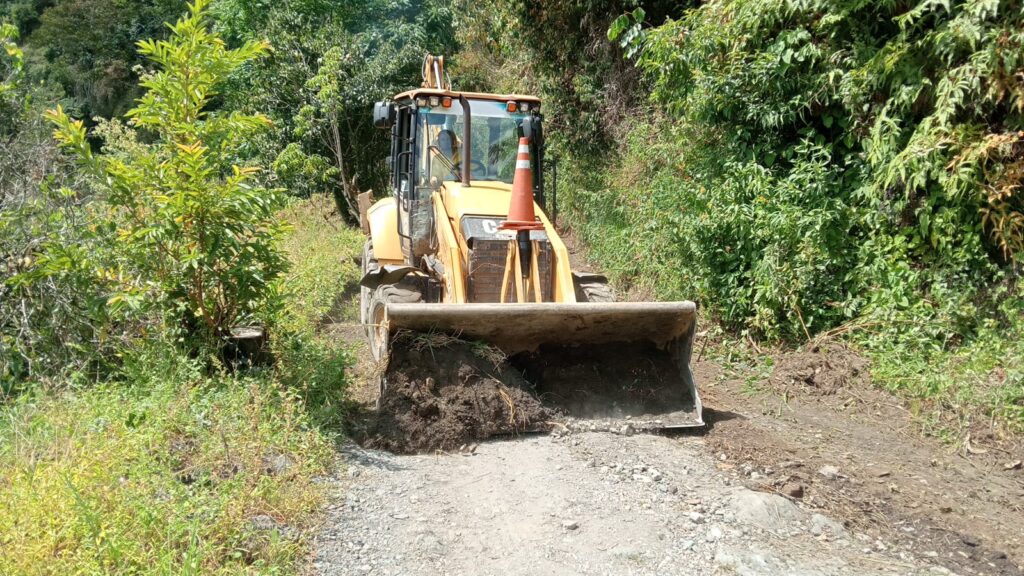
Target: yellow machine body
column 460, row 255
column 453, row 202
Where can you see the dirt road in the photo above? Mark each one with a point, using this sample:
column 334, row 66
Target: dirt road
column 592, row 503
column 807, row 488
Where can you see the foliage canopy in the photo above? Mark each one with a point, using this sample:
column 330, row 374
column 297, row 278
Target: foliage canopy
column 332, row 61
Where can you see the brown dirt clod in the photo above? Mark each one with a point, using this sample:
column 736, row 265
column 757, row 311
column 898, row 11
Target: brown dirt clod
column 444, row 397
column 821, row 369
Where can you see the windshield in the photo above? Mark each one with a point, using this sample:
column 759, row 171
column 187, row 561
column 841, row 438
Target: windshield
column 495, row 141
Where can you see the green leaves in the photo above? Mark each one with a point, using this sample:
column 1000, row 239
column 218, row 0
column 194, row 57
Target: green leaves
column 627, row 29
column 194, row 240
column 332, row 60
column 822, row 134
column 12, row 60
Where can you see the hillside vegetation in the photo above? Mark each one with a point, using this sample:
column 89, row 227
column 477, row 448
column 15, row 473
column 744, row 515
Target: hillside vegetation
column 801, row 169
column 133, row 436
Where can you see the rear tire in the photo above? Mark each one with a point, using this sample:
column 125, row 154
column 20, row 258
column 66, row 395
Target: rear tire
column 593, row 289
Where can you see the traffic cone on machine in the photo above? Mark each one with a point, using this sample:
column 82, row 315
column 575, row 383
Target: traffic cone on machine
column 521, row 216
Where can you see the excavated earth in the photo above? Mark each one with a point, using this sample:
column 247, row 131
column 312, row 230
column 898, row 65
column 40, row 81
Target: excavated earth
column 447, row 396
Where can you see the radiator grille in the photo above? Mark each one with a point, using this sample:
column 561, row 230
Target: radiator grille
column 487, row 268
column 487, row 255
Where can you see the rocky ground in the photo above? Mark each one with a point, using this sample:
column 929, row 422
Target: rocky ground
column 582, row 503
column 778, row 484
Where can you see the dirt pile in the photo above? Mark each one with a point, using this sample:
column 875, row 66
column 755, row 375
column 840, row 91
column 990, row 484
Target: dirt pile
column 824, row 369
column 443, row 394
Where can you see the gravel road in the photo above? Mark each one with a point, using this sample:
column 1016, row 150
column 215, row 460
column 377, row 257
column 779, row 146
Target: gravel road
column 580, row 503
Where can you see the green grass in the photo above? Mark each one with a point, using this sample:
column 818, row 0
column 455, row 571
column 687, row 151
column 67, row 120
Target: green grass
column 167, row 470
column 323, row 276
column 320, row 289
column 979, row 384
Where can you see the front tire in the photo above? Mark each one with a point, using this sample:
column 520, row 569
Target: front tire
column 377, row 331
column 593, row 288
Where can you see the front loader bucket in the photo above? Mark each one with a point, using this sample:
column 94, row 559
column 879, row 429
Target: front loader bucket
column 599, row 360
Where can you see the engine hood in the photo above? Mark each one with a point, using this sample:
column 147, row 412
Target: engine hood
column 482, row 198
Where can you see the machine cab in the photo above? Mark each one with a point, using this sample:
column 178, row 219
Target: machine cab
column 435, row 142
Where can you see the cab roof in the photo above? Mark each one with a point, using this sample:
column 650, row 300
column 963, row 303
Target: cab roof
column 474, row 95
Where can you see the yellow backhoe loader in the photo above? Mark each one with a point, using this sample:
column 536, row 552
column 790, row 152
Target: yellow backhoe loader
column 442, row 256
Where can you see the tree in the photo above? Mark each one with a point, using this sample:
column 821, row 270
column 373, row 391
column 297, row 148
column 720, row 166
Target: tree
column 331, row 61
column 87, row 47
column 190, row 236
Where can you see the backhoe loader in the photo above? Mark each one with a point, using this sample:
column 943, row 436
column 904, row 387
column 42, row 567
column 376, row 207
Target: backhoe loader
column 462, row 246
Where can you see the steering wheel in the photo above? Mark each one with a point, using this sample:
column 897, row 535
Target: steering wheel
column 478, row 166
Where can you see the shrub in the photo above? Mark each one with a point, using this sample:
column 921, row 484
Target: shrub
column 848, row 157
column 188, row 235
column 49, row 326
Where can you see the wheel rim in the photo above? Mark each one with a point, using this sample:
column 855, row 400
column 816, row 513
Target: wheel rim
column 378, row 333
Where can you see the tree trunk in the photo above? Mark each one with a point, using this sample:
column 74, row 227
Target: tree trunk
column 346, row 198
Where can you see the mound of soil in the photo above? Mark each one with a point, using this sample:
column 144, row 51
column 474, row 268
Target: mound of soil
column 445, row 397
column 822, row 369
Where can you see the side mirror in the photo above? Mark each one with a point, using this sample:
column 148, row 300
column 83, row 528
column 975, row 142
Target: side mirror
column 384, row 114
column 527, row 127
column 532, row 128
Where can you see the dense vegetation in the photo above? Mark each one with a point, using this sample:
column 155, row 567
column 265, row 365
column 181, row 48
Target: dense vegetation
column 132, row 438
column 331, row 61
column 166, row 469
column 801, row 169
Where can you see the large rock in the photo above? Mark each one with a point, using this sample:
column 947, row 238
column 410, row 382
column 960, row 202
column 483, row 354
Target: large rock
column 766, row 511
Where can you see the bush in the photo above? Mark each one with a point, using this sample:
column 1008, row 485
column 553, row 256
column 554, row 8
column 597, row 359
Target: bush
column 50, row 326
column 836, row 159
column 165, row 468
column 838, row 167
column 186, row 233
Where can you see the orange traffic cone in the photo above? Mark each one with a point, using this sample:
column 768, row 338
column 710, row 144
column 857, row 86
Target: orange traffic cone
column 520, row 211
